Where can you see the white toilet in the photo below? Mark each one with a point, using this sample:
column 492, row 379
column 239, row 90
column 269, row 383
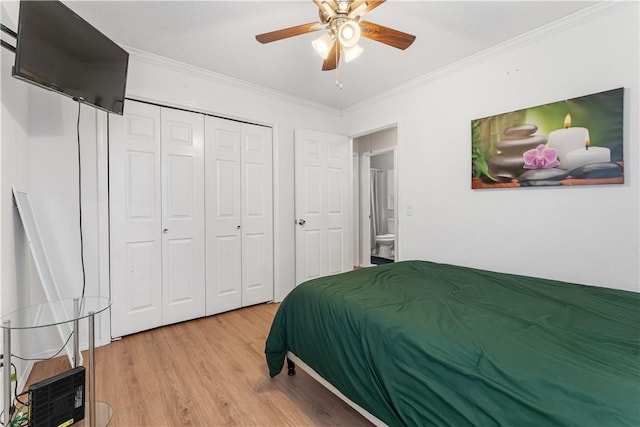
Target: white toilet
column 384, row 242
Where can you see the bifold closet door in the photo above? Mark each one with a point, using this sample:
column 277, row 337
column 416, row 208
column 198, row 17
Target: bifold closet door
column 256, row 153
column 239, row 214
column 135, row 191
column 223, row 215
column 156, row 169
column 183, row 285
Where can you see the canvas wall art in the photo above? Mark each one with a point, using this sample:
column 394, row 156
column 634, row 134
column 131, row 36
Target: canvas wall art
column 577, row 141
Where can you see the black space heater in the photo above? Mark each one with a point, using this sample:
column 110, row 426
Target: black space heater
column 59, row 400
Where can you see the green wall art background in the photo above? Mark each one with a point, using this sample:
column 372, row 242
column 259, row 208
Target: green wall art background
column 577, row 141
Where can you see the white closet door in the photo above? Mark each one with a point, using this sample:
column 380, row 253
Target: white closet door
column 183, row 256
column 322, row 204
column 224, row 215
column 257, row 214
column 135, row 198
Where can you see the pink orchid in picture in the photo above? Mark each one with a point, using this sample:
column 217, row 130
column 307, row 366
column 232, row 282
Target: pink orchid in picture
column 542, row 157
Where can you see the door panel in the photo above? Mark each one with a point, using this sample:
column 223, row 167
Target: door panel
column 312, row 241
column 183, row 256
column 223, row 199
column 226, row 273
column 141, row 262
column 336, row 255
column 257, row 214
column 180, row 191
column 134, row 199
column 322, row 194
column 311, row 250
column 140, row 179
column 180, row 271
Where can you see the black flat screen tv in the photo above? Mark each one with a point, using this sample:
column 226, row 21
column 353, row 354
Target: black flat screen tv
column 58, row 50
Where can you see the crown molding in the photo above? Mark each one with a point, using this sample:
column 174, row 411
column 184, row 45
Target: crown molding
column 167, row 63
column 574, row 20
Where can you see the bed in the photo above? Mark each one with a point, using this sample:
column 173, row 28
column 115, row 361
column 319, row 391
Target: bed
column 420, row 343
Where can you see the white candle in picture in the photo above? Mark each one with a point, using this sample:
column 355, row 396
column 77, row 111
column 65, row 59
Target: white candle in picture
column 586, row 156
column 567, row 139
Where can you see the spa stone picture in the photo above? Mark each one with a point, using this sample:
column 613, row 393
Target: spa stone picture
column 574, row 142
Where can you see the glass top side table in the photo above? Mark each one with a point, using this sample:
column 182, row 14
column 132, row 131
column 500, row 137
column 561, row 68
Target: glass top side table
column 54, row 313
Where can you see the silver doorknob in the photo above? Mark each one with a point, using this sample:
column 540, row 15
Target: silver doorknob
column 237, row 227
column 166, row 230
column 302, row 221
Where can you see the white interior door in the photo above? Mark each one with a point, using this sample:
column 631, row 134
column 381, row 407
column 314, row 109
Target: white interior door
column 322, row 204
column 135, row 199
column 183, row 285
column 257, row 214
column 224, row 215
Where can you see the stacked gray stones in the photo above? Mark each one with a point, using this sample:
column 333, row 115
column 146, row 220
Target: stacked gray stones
column 507, row 164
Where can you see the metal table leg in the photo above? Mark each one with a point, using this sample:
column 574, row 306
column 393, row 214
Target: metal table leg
column 6, row 370
column 92, row 383
column 76, row 333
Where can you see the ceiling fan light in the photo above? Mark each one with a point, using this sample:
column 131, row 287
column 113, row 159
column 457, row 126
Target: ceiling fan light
column 351, row 53
column 323, row 45
column 349, row 33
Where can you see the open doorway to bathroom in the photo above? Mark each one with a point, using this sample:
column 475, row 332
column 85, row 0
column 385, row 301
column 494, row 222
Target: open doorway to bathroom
column 376, row 171
column 382, row 217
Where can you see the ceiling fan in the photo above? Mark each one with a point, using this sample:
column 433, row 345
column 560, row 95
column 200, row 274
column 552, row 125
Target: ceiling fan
column 342, row 19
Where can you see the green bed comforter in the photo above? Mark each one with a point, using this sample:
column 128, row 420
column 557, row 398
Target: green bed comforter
column 420, row 343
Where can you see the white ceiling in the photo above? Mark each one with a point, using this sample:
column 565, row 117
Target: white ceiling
column 219, row 36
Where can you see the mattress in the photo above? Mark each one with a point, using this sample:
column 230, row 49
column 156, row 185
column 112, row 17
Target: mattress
column 421, row 343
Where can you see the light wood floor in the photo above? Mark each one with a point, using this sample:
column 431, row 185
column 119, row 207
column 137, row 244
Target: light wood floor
column 206, row 372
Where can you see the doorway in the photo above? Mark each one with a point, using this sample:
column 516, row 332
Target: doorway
column 376, row 191
column 382, row 215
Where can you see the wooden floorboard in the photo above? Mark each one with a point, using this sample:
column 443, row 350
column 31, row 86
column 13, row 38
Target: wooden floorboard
column 206, row 372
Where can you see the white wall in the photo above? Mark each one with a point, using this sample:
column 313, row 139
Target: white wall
column 586, row 235
column 54, row 187
column 13, row 153
column 17, row 272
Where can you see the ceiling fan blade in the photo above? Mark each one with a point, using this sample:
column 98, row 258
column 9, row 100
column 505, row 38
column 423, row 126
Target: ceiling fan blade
column 331, row 63
column 386, row 35
column 289, row 32
column 372, row 4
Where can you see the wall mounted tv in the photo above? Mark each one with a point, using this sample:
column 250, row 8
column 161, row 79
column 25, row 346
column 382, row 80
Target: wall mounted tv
column 58, row 50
